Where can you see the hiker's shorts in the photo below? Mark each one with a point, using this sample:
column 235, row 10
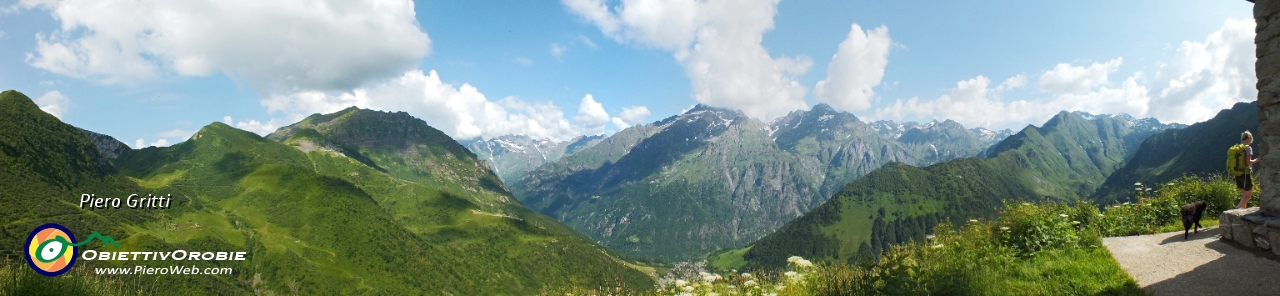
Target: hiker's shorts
column 1244, row 182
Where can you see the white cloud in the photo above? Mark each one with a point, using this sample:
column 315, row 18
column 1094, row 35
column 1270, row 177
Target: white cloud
column 137, row 144
column 1201, row 79
column 1065, row 78
column 272, row 45
column 160, row 143
column 1204, row 77
column 592, row 116
column 262, row 128
column 54, row 103
column 631, row 116
column 857, row 66
column 558, row 50
column 1012, row 83
column 227, row 119
column 177, row 133
column 524, row 61
column 587, row 41
column 462, row 112
column 974, row 103
column 717, row 42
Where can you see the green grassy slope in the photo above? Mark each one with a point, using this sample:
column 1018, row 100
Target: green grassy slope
column 317, row 222
column 1065, row 159
column 1199, row 149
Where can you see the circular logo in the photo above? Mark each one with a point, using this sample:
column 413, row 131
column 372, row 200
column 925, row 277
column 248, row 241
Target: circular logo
column 51, row 250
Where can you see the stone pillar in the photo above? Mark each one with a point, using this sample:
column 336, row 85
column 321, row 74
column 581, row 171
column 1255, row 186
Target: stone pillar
column 1267, row 15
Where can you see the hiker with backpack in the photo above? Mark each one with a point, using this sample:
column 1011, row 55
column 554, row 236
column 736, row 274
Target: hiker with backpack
column 1240, row 164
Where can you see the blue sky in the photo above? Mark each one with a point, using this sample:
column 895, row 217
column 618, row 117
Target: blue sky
column 156, row 71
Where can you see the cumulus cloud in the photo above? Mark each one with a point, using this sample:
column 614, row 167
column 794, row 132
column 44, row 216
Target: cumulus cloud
column 263, row 128
column 1201, row 79
column 462, row 112
column 974, row 103
column 227, row 119
column 160, row 143
column 857, row 66
column 592, row 116
column 272, row 45
column 718, row 44
column 631, row 116
column 1204, row 77
column 1065, row 78
column 1012, row 83
column 54, row 103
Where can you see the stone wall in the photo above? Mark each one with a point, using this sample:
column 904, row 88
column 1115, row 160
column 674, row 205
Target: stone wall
column 1251, row 228
column 1267, row 15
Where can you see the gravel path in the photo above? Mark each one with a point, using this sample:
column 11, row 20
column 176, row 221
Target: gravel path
column 1165, row 264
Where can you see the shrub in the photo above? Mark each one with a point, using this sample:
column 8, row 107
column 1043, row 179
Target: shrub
column 1030, row 229
column 1160, row 210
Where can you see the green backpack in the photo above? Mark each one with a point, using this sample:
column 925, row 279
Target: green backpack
column 1235, row 160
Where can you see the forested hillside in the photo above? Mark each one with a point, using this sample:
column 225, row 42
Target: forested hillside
column 1065, row 159
column 1200, row 149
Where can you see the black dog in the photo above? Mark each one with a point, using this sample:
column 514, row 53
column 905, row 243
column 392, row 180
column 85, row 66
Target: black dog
column 1191, row 214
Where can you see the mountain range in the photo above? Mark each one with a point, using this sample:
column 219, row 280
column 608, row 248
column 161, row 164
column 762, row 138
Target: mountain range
column 1198, row 150
column 1066, row 159
column 362, row 201
column 353, row 202
column 712, row 178
column 512, row 156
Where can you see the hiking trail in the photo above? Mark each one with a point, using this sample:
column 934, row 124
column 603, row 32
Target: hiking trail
column 1165, row 264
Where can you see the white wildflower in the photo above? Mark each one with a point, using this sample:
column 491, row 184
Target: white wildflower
column 1004, row 228
column 745, row 274
column 779, row 287
column 929, row 236
column 1073, row 222
column 1137, row 184
column 791, row 274
column 749, row 283
column 770, row 294
column 1101, row 215
column 937, row 246
column 793, row 259
column 713, row 294
column 1026, row 203
column 681, row 283
column 685, row 294
column 1062, row 215
column 973, row 221
column 687, row 288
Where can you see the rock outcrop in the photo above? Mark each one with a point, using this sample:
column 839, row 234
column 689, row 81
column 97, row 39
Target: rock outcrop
column 1266, row 14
